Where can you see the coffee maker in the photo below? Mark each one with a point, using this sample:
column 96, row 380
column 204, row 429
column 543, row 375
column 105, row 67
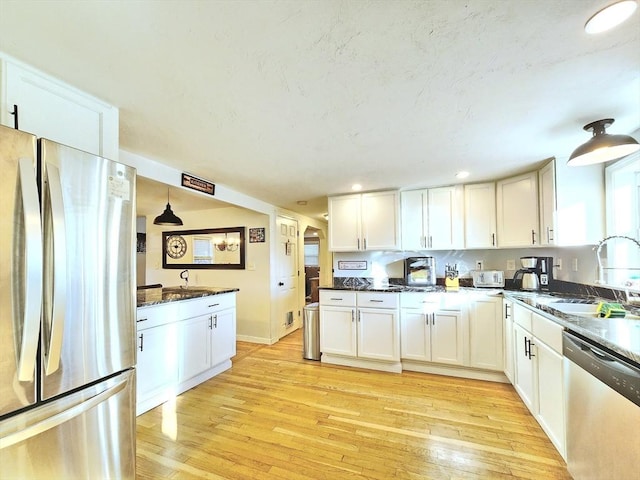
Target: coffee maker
column 536, row 273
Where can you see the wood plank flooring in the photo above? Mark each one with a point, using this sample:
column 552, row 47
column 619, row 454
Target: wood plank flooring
column 277, row 416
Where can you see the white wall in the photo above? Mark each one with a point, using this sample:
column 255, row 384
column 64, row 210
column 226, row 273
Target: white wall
column 257, row 313
column 253, row 299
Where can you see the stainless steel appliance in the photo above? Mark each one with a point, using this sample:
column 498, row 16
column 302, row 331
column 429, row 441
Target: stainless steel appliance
column 488, row 278
column 420, row 271
column 67, row 312
column 603, row 412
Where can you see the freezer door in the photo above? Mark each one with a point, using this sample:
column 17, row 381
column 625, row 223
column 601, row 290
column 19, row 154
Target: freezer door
column 88, row 326
column 89, row 434
column 20, row 270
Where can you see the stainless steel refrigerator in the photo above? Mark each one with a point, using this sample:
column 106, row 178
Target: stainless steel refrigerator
column 67, row 312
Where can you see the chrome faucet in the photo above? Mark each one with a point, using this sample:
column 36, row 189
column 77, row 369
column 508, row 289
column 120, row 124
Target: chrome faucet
column 598, row 249
column 185, row 276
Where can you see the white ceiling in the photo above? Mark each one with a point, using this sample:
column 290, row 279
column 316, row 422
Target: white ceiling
column 296, row 99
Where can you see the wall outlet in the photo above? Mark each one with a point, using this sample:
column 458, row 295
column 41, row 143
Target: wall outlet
column 574, row 264
column 511, row 264
column 558, row 264
column 479, row 265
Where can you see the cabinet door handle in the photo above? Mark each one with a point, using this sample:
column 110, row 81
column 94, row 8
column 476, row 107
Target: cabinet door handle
column 531, row 354
column 353, row 316
column 526, row 347
column 358, row 244
column 141, row 337
column 430, row 241
column 433, row 319
column 493, row 239
column 359, row 316
column 215, row 321
column 15, row 116
column 210, row 322
column 364, row 243
column 549, row 234
column 507, row 313
column 533, row 237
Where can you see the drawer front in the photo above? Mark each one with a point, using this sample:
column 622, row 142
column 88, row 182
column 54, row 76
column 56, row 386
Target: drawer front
column 155, row 315
column 209, row 304
column 338, row 298
column 421, row 300
column 547, row 331
column 522, row 316
column 377, row 300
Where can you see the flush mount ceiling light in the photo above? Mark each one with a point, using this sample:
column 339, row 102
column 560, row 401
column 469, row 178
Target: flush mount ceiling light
column 356, row 187
column 462, row 174
column 167, row 217
column 602, row 147
column 610, row 17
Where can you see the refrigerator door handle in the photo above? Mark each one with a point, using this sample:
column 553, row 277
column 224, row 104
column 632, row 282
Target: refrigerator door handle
column 54, row 311
column 32, row 280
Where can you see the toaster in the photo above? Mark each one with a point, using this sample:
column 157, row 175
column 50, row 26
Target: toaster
column 488, row 278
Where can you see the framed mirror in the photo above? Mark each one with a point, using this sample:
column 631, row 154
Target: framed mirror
column 212, row 248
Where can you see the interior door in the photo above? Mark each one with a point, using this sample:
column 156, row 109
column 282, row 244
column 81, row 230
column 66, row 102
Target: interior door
column 288, row 274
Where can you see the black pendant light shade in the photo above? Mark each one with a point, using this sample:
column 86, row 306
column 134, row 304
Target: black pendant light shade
column 602, row 147
column 167, row 217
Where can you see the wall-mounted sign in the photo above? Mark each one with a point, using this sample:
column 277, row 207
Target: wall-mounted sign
column 352, row 265
column 198, row 184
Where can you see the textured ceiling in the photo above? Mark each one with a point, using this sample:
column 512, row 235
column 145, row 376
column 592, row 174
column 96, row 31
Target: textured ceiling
column 294, row 100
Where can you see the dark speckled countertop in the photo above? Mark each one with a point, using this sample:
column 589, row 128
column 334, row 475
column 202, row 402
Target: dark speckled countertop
column 154, row 296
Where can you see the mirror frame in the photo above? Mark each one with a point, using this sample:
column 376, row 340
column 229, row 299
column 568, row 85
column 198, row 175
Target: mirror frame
column 213, row 266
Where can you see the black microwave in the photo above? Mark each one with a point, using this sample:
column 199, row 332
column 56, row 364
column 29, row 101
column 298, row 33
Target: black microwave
column 420, row 271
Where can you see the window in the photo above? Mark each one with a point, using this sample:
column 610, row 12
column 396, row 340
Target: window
column 202, row 250
column 622, row 266
column 311, row 253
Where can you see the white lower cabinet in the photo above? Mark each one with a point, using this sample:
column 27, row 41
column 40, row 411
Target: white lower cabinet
column 486, row 333
column 360, row 329
column 507, row 315
column 539, row 375
column 430, row 333
column 157, row 365
column 181, row 344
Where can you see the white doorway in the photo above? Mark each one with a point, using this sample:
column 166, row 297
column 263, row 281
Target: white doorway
column 287, row 276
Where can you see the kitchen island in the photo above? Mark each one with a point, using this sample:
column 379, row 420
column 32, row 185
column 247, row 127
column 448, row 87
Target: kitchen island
column 185, row 336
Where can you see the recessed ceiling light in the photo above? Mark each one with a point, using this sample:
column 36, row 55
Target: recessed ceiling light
column 462, row 174
column 356, row 187
column 301, row 202
column 611, row 16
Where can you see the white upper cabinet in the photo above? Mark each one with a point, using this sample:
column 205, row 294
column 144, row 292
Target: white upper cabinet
column 368, row 221
column 51, row 109
column 547, row 186
column 480, row 215
column 572, row 205
column 517, row 211
column 432, row 218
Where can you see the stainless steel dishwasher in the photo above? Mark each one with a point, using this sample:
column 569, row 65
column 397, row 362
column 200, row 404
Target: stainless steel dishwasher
column 603, row 412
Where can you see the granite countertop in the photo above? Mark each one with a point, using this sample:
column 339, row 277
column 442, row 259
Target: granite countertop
column 406, row 288
column 621, row 335
column 154, row 296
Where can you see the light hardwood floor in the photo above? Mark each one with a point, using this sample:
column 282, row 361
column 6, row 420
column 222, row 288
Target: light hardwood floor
column 277, row 416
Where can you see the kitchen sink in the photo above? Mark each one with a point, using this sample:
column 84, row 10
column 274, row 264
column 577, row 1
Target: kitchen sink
column 584, row 310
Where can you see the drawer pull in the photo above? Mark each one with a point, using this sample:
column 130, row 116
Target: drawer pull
column 214, row 305
column 377, row 301
column 332, row 298
column 141, row 320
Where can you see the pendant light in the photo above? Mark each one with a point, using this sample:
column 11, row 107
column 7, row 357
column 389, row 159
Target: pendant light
column 610, row 16
column 602, row 147
column 167, row 217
